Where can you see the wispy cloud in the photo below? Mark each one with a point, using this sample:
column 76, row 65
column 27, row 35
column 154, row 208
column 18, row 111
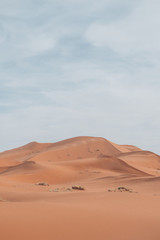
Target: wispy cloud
column 135, row 33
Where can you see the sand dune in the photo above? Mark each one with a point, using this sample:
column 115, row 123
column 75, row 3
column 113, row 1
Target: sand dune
column 55, row 211
column 125, row 148
column 144, row 160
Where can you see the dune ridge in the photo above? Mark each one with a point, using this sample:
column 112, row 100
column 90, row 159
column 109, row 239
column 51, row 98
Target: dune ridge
column 73, row 156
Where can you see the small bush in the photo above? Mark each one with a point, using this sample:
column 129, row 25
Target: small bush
column 120, row 189
column 54, row 190
column 78, row 188
column 42, row 184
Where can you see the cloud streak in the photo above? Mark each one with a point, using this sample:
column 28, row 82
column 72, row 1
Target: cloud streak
column 136, row 33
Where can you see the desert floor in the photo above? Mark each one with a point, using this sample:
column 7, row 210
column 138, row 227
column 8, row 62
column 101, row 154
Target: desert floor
column 120, row 199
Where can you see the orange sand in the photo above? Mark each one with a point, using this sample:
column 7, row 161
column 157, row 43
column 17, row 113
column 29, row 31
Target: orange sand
column 30, row 211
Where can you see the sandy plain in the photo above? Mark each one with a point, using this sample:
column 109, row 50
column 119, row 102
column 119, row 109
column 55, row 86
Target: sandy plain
column 120, row 200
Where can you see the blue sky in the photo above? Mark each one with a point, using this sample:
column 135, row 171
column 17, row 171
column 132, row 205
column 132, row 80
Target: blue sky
column 71, row 68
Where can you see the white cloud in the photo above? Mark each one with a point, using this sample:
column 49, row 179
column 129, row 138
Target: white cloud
column 136, row 33
column 60, row 79
column 37, row 44
column 23, row 41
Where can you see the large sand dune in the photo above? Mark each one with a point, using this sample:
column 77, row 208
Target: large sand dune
column 30, row 210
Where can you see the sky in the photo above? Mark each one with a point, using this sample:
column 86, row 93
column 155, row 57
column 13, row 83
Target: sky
column 80, row 68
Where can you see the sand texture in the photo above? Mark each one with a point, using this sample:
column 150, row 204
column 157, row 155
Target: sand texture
column 83, row 188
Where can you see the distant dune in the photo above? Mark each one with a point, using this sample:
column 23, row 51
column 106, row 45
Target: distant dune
column 37, row 200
